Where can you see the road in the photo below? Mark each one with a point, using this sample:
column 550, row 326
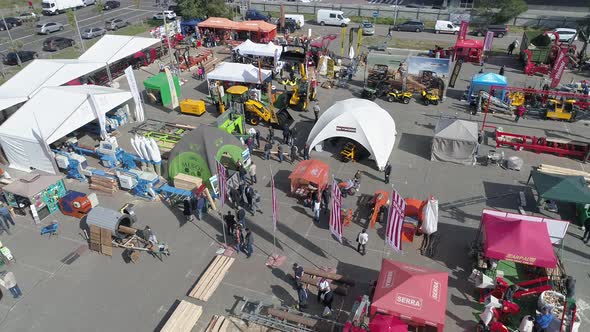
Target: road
column 87, row 17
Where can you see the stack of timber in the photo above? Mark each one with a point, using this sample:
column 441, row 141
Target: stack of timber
column 313, row 281
column 212, row 277
column 105, row 184
column 550, row 169
column 184, row 318
column 218, row 324
column 100, row 240
column 187, row 182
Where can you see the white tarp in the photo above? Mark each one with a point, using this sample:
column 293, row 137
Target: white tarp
column 454, row 141
column 557, row 228
column 251, row 48
column 111, row 48
column 360, row 120
column 430, row 222
column 42, row 73
column 238, row 72
column 50, row 115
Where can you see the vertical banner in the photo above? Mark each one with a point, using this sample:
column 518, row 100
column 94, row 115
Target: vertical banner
column 395, row 222
column 336, row 212
column 275, row 211
column 342, row 36
column 487, row 43
column 558, row 68
column 359, row 38
column 462, row 31
column 455, row 73
column 222, row 181
column 99, row 115
column 139, row 114
column 172, row 87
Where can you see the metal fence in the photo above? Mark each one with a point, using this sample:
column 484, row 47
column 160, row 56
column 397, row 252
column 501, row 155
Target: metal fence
column 422, row 14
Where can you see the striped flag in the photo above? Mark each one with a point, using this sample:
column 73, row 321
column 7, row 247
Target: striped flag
column 222, row 182
column 335, row 213
column 397, row 211
column 275, row 212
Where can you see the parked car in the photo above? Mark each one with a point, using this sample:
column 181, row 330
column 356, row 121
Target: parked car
column 290, row 25
column 115, row 24
column 90, row 33
column 9, row 23
column 332, row 17
column 10, row 58
column 170, row 15
column 446, row 27
column 111, row 4
column 368, row 28
column 410, row 26
column 255, row 15
column 49, row 27
column 565, row 34
column 28, row 17
column 53, row 44
column 174, row 8
column 89, row 2
column 499, row 30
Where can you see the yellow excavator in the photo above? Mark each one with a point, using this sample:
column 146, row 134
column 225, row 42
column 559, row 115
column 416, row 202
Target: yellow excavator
column 561, row 110
column 255, row 111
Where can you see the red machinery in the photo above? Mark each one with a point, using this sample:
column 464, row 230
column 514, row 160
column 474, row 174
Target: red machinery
column 531, row 68
column 77, row 204
column 525, row 288
column 559, row 146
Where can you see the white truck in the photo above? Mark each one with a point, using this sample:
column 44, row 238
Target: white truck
column 332, row 17
column 54, row 7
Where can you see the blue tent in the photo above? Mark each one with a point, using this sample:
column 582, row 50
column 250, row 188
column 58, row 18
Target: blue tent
column 484, row 81
column 189, row 26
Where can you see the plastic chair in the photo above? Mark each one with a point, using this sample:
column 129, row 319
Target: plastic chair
column 50, row 229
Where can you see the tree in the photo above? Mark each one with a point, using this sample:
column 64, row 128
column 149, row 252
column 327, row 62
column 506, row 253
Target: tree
column 500, row 11
column 204, row 8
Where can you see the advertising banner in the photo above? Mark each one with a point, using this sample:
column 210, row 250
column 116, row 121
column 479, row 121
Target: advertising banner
column 139, row 114
column 462, row 31
column 558, row 68
column 487, row 43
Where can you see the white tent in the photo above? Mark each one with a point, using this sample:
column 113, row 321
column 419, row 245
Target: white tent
column 454, row 141
column 50, row 115
column 238, row 72
column 360, row 120
column 111, row 48
column 42, row 73
column 251, row 48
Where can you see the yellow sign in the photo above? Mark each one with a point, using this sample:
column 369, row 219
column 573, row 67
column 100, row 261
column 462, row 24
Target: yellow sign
column 342, row 36
column 521, row 259
column 331, row 68
column 358, row 41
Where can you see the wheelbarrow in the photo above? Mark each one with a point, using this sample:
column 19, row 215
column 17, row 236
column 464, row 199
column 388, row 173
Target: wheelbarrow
column 50, row 229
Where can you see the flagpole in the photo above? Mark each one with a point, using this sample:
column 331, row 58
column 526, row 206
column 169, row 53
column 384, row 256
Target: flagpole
column 221, row 199
column 274, row 228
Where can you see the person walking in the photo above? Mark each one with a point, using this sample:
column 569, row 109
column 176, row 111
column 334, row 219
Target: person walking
column 306, row 152
column 250, row 144
column 252, row 172
column 316, row 210
column 357, row 176
column 271, row 134
column 586, row 236
column 267, row 148
column 520, row 111
column 316, row 111
column 297, row 273
column 327, row 302
column 511, row 48
column 249, row 241
column 242, row 217
column 257, row 136
column 387, row 171
column 302, row 296
column 6, row 216
column 285, row 135
column 362, row 238
column 256, row 202
column 239, row 238
column 187, row 210
column 501, row 72
column 323, row 287
column 242, row 171
column 280, row 152
column 230, row 222
column 293, row 156
column 390, row 31
column 326, row 200
column 249, row 196
column 8, row 281
column 200, row 206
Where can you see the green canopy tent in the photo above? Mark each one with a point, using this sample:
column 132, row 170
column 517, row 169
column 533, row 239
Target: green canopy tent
column 158, row 84
column 561, row 188
column 198, row 150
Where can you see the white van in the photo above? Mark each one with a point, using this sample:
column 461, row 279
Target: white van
column 446, row 27
column 299, row 19
column 332, row 17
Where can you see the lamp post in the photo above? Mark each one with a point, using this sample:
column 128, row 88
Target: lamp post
column 11, row 41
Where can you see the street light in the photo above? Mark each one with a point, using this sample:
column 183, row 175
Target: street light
column 164, row 6
column 11, row 41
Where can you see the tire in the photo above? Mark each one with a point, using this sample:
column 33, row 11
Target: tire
column 435, row 102
column 390, row 99
column 454, row 32
column 418, row 30
column 398, row 29
column 426, row 102
column 406, row 101
column 436, row 31
column 500, row 35
column 480, row 34
column 322, row 23
column 343, row 25
column 61, row 28
column 254, row 120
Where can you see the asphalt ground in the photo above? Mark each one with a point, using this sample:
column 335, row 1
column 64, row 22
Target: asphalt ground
column 99, row 293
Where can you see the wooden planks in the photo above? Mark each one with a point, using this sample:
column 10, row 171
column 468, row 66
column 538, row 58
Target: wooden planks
column 100, row 240
column 187, row 182
column 337, row 289
column 218, row 324
column 550, row 169
column 212, row 277
column 105, row 184
column 332, row 276
column 183, row 318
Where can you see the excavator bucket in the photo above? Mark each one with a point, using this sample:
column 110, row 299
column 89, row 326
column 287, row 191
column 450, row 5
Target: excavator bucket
column 283, row 118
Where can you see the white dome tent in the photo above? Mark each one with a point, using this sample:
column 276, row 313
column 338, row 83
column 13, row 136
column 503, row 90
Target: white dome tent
column 360, row 120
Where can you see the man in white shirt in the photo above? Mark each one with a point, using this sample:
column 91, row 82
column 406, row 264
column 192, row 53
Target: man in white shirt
column 362, row 240
column 323, row 287
column 316, row 210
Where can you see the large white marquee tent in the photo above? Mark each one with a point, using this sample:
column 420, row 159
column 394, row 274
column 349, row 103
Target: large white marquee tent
column 251, row 48
column 112, row 48
column 360, row 120
column 25, row 136
column 238, row 72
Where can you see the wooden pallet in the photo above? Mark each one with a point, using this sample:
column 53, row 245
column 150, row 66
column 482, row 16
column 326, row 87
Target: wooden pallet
column 212, row 277
column 187, row 182
column 218, row 324
column 100, row 240
column 184, row 318
column 104, row 184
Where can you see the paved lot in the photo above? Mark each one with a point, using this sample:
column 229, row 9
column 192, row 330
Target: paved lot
column 98, row 293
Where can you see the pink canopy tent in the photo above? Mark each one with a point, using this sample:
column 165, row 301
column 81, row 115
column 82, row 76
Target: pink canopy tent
column 382, row 323
column 411, row 293
column 516, row 240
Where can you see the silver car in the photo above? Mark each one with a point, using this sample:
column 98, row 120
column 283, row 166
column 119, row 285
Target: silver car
column 368, row 28
column 90, row 33
column 49, row 27
column 115, row 24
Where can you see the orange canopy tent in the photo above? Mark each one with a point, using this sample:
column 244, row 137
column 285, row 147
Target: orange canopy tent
column 217, row 23
column 309, row 172
column 257, row 30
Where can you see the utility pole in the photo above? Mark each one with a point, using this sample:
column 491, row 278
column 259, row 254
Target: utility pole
column 11, row 41
column 167, row 38
column 79, row 33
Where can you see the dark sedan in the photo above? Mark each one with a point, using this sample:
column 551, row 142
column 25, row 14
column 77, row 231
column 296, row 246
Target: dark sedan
column 111, row 5
column 410, row 26
column 53, row 44
column 9, row 23
column 11, row 59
